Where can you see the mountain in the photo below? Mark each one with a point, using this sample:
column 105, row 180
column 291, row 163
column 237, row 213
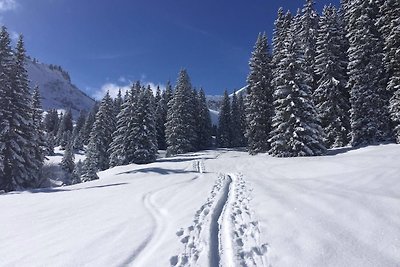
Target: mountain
column 56, row 88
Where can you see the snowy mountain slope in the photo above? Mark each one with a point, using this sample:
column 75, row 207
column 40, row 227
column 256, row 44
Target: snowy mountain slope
column 215, row 207
column 214, row 116
column 56, row 88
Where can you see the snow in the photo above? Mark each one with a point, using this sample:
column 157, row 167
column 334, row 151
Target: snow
column 336, row 210
column 56, row 90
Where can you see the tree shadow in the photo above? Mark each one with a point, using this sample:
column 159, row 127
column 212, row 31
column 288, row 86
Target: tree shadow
column 156, row 170
column 340, row 150
column 58, row 189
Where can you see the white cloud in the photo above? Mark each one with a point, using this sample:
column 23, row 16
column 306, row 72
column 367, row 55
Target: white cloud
column 113, row 88
column 6, row 5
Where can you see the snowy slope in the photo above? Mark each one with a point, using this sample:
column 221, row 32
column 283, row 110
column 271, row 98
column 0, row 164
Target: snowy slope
column 56, row 88
column 215, row 207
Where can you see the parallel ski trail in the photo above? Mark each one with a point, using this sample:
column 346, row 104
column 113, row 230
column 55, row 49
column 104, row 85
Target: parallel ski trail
column 160, row 223
column 223, row 229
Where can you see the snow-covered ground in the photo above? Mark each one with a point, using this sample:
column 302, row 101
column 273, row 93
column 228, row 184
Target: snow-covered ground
column 215, row 207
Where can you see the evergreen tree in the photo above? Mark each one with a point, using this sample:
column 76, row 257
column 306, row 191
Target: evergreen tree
column 91, row 117
column 18, row 169
column 242, row 112
column 169, row 93
column 40, row 146
column 331, row 97
column 77, row 173
column 308, row 38
column 259, row 109
column 180, row 130
column 236, row 130
column 224, row 123
column 389, row 25
column 51, row 121
column 296, row 131
column 118, row 103
column 144, row 129
column 101, row 134
column 203, row 121
column 65, row 128
column 68, row 164
column 161, row 118
column 90, row 164
column 77, row 133
column 368, row 95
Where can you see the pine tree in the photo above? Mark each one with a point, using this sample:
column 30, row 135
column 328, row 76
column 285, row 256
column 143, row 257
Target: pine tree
column 236, row 130
column 161, row 118
column 368, row 96
column 308, row 38
column 65, row 129
column 77, row 133
column 179, row 128
column 203, row 121
column 51, row 121
column 18, row 169
column 101, row 134
column 242, row 112
column 224, row 123
column 144, row 129
column 91, row 117
column 296, row 131
column 259, row 109
column 67, row 163
column 389, row 25
column 77, row 173
column 331, row 97
column 40, row 146
column 118, row 103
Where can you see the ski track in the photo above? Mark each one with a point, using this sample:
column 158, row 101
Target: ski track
column 198, row 166
column 224, row 229
column 160, row 223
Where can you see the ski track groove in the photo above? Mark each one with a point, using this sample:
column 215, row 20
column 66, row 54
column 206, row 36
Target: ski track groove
column 224, row 228
column 159, row 221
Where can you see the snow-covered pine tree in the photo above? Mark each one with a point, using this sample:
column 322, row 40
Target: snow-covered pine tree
column 101, row 134
column 18, row 169
column 40, row 147
column 67, row 163
column 168, row 93
column 242, row 112
column 236, row 130
column 77, row 173
column 331, row 97
column 389, row 24
column 77, row 133
column 203, row 122
column 121, row 144
column 225, row 123
column 179, row 128
column 296, row 130
column 282, row 27
column 51, row 121
column 144, row 136
column 91, row 117
column 308, row 38
column 90, row 164
column 161, row 118
column 368, row 95
column 259, row 108
column 118, row 103
column 66, row 126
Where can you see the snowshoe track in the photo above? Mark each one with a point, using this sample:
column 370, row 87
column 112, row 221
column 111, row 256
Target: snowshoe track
column 224, row 229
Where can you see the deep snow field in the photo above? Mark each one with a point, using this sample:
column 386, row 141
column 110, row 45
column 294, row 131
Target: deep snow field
column 215, row 208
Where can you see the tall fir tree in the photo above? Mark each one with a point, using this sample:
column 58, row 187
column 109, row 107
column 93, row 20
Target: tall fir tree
column 90, row 119
column 101, row 134
column 18, row 169
column 296, row 130
column 65, row 128
column 331, row 96
column 308, row 39
column 236, row 130
column 259, row 109
column 180, row 126
column 40, row 145
column 242, row 112
column 389, row 26
column 144, row 129
column 203, row 122
column 161, row 118
column 67, row 163
column 368, row 95
column 225, row 123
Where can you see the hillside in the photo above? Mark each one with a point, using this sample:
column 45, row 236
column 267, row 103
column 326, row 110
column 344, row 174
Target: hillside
column 215, row 207
column 56, row 88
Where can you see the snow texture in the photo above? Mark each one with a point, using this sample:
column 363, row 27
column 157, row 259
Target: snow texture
column 335, row 210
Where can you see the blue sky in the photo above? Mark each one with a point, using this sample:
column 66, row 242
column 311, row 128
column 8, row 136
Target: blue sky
column 105, row 44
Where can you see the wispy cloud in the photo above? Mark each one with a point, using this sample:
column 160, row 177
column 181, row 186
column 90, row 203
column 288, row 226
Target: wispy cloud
column 123, row 85
column 6, row 5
